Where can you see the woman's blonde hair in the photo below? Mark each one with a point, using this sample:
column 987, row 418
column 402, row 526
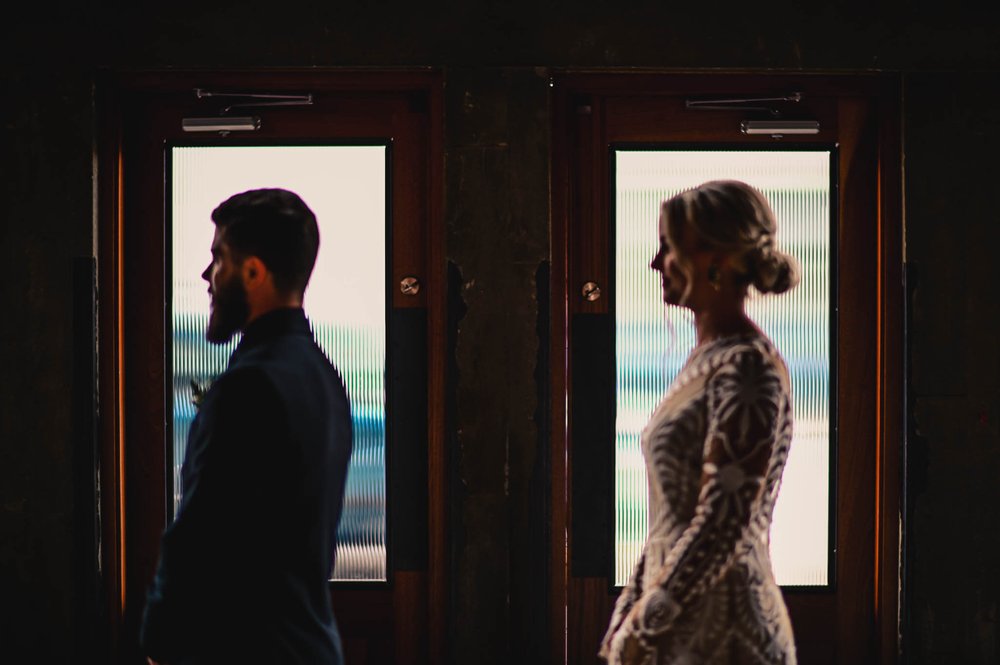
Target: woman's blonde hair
column 733, row 217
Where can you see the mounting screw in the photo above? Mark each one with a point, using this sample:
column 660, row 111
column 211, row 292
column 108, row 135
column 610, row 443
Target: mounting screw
column 591, row 291
column 409, row 286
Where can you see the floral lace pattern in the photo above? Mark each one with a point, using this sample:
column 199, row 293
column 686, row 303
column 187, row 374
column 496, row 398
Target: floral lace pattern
column 703, row 592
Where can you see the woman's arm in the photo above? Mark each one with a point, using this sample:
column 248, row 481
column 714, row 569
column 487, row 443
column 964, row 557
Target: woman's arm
column 745, row 397
column 626, row 600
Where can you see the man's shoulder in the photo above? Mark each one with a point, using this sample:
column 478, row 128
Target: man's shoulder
column 282, row 351
column 245, row 380
column 288, row 363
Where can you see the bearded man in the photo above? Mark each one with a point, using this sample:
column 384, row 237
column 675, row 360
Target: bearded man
column 244, row 567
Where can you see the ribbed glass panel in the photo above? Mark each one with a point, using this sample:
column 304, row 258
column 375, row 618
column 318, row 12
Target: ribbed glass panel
column 652, row 341
column 345, row 186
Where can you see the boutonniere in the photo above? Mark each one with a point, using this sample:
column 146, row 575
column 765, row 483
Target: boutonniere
column 199, row 390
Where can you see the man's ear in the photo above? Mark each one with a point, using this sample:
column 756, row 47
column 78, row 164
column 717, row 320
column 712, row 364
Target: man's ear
column 254, row 273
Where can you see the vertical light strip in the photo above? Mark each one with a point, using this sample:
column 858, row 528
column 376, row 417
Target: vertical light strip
column 346, row 303
column 120, row 387
column 653, row 342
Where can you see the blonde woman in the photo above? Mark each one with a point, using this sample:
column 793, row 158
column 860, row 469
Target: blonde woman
column 703, row 591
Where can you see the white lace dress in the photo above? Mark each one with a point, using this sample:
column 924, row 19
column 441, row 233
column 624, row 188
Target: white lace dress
column 703, row 592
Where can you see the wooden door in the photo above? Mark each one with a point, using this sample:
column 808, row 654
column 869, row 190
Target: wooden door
column 851, row 617
column 392, row 620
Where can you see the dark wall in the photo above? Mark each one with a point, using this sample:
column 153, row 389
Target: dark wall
column 953, row 233
column 47, row 220
column 494, row 57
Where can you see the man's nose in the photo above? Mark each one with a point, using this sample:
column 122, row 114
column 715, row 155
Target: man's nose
column 204, row 275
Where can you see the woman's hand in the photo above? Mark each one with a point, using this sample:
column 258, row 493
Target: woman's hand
column 634, row 652
column 625, row 648
column 604, row 653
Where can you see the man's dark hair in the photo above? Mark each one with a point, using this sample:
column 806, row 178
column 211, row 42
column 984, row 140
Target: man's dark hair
column 277, row 227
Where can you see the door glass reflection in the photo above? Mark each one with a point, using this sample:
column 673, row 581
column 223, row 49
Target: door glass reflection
column 652, row 342
column 346, row 303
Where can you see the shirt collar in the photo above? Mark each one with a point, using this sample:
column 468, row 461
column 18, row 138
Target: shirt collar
column 277, row 322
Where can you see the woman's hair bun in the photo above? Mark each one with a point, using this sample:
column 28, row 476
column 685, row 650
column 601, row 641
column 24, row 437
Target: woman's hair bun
column 773, row 271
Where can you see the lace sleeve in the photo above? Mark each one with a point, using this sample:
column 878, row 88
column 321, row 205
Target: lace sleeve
column 626, row 600
column 745, row 396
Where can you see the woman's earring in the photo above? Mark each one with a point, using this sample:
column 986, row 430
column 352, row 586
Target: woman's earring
column 715, row 277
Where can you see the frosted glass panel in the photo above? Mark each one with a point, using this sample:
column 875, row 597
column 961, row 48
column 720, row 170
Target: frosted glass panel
column 345, row 186
column 652, row 341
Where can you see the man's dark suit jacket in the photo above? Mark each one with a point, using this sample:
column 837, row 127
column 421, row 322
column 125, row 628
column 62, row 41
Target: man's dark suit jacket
column 243, row 569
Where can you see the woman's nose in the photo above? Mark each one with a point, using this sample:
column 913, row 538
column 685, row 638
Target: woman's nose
column 205, row 274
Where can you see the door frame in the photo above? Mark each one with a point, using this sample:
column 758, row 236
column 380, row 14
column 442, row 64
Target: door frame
column 883, row 92
column 119, row 585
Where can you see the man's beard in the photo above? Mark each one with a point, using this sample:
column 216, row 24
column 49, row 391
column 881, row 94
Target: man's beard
column 229, row 311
